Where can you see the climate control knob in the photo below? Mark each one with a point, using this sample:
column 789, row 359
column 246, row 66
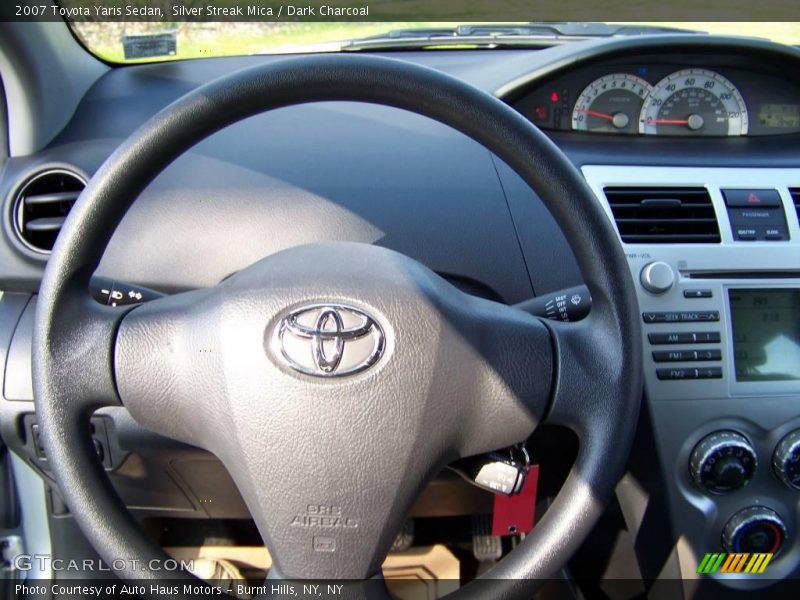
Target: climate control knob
column 657, row 277
column 754, row 529
column 723, row 462
column 786, row 460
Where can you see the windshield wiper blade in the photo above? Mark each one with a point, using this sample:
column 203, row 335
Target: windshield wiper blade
column 427, row 41
column 568, row 29
column 490, row 34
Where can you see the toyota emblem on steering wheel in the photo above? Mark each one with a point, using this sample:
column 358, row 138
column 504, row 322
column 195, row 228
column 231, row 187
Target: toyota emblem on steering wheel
column 328, row 340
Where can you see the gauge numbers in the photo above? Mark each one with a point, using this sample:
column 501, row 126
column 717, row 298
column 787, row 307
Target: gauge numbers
column 694, row 102
column 611, row 103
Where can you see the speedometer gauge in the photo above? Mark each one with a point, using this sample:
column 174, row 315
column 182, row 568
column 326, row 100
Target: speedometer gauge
column 611, row 104
column 694, row 102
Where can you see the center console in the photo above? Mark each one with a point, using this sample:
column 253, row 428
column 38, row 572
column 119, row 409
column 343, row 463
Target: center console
column 715, row 255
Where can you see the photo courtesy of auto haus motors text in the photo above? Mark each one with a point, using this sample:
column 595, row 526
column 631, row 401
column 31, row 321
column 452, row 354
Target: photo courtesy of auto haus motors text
column 167, row 590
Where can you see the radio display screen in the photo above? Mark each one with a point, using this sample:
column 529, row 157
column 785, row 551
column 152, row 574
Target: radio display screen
column 766, row 334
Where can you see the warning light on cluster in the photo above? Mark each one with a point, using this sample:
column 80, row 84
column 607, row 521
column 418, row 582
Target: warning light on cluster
column 540, row 111
column 554, row 97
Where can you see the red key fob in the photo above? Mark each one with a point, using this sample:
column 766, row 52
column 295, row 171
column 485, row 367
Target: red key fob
column 515, row 514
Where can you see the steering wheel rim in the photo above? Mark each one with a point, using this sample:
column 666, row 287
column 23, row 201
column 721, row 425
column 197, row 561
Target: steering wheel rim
column 76, row 358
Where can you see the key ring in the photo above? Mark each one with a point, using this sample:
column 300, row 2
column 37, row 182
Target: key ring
column 526, row 457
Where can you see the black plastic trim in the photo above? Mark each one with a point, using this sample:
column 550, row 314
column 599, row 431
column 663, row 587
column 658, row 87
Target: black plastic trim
column 12, row 199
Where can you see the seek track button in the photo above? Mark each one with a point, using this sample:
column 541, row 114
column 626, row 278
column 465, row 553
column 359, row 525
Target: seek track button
column 681, row 317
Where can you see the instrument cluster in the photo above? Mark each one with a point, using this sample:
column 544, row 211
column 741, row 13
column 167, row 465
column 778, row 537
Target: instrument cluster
column 665, row 100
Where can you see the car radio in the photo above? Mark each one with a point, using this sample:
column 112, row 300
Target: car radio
column 715, row 257
column 741, row 337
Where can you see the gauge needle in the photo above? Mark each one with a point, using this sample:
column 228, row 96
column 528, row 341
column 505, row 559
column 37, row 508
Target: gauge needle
column 619, row 120
column 594, row 113
column 693, row 122
column 670, row 121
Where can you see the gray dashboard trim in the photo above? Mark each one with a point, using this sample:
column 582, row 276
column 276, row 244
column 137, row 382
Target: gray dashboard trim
column 35, row 529
column 18, row 383
column 3, row 124
column 46, row 74
column 12, row 307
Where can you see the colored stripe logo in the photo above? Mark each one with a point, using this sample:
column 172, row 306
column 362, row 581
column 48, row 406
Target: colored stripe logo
column 736, row 562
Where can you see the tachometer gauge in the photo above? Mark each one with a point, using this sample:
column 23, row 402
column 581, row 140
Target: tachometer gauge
column 611, row 104
column 694, row 102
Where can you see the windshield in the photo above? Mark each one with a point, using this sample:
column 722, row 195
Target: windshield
column 143, row 41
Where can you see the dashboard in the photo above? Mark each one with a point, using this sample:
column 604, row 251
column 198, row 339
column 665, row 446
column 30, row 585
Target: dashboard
column 711, row 230
column 691, row 95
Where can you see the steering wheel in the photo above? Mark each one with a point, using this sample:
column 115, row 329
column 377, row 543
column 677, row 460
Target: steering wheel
column 336, row 379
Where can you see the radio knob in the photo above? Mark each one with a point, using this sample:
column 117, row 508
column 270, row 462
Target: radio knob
column 754, row 529
column 657, row 277
column 723, row 462
column 786, row 460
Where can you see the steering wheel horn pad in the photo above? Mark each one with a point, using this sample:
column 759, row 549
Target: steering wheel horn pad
column 330, row 463
column 330, row 466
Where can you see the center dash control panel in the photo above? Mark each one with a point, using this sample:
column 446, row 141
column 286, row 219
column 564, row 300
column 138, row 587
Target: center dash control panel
column 714, row 254
column 693, row 237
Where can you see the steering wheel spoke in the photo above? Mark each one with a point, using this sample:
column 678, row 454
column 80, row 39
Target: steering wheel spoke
column 80, row 353
column 502, row 392
column 165, row 351
column 591, row 365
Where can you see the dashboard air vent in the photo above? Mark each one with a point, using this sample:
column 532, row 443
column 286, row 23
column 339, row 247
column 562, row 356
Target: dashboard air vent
column 42, row 203
column 662, row 215
column 795, row 193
